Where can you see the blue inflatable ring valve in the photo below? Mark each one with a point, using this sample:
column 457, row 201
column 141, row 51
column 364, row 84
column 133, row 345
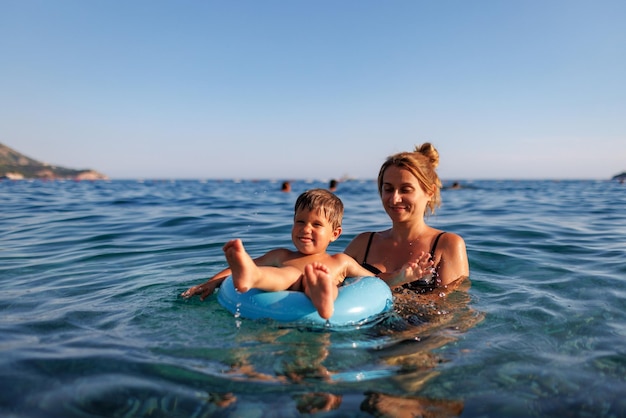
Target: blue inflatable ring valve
column 360, row 300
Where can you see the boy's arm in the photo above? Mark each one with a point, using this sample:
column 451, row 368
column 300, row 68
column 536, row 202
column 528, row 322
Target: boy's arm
column 207, row 288
column 272, row 258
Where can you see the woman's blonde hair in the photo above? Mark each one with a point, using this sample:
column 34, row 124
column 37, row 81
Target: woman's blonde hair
column 422, row 164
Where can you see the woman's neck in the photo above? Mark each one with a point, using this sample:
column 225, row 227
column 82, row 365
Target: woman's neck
column 409, row 232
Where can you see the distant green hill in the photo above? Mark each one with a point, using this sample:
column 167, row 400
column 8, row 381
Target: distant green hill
column 14, row 165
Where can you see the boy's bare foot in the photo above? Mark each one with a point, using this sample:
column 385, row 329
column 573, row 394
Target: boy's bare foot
column 320, row 288
column 244, row 271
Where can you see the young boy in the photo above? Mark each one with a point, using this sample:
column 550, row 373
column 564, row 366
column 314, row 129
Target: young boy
column 318, row 214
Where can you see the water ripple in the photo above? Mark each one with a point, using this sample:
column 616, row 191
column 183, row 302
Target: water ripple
column 92, row 322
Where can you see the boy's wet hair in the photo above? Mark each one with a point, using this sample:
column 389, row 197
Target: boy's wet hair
column 322, row 201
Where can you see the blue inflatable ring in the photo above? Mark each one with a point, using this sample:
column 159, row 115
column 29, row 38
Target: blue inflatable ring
column 360, row 300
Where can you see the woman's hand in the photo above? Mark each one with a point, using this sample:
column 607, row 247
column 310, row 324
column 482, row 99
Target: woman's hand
column 418, row 269
column 421, row 269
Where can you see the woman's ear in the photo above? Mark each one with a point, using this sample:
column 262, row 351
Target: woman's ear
column 431, row 193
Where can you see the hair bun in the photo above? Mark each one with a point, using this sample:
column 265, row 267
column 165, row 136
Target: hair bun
column 429, row 151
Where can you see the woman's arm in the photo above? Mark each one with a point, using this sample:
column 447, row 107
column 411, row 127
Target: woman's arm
column 453, row 264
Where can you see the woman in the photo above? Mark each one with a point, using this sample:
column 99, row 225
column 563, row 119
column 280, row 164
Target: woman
column 409, row 188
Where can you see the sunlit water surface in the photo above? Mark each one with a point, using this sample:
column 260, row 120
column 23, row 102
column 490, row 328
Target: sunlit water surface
column 92, row 323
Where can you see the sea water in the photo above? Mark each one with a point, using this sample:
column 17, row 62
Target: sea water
column 92, row 324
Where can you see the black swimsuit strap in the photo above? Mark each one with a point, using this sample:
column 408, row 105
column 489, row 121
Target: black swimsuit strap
column 373, row 269
column 367, row 249
column 434, row 247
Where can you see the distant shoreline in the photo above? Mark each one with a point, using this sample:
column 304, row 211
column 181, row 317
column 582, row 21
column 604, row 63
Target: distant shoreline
column 17, row 166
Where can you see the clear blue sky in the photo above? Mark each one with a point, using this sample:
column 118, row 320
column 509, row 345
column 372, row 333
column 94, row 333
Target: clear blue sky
column 315, row 89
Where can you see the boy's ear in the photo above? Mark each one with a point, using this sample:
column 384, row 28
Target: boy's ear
column 336, row 233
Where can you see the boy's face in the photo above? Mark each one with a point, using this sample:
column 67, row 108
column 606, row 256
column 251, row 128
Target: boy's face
column 312, row 232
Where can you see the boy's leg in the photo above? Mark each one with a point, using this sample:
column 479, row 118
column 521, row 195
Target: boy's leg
column 320, row 287
column 247, row 275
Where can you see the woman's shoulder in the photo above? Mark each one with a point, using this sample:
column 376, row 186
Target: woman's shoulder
column 452, row 251
column 449, row 239
column 363, row 236
column 360, row 237
column 356, row 247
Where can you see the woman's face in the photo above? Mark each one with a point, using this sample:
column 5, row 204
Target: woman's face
column 402, row 196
